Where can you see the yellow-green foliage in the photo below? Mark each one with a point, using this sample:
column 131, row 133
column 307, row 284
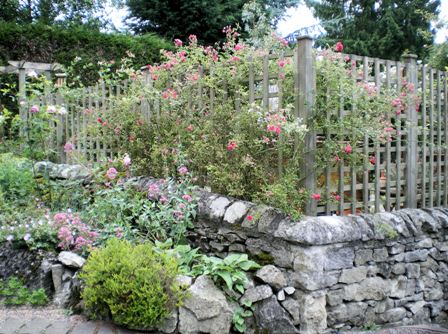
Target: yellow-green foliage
column 132, row 284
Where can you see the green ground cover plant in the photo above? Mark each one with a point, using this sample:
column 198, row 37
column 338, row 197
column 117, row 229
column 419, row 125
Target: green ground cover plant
column 14, row 292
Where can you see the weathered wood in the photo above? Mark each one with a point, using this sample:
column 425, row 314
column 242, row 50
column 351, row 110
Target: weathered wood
column 424, row 136
column 306, row 89
column 412, row 132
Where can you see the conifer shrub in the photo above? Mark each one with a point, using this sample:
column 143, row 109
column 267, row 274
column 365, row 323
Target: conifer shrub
column 133, row 285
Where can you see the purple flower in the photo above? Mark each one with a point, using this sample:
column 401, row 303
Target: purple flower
column 111, row 173
column 27, row 237
column 182, row 170
column 34, row 109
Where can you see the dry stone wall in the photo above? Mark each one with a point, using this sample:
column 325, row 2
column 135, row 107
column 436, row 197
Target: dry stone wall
column 333, row 272
column 320, row 274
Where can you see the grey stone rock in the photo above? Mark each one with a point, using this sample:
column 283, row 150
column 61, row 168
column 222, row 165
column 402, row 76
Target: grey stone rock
column 293, row 307
column 393, row 315
column 319, row 230
column 417, row 255
column 396, row 249
column 398, row 287
column 380, row 254
column 353, row 275
column 404, row 301
column 335, row 297
column 310, row 259
column 218, row 208
column 206, row 309
column 374, row 288
column 416, row 307
column 339, row 258
column 272, row 318
column 269, row 221
column 169, row 324
column 257, row 293
column 412, row 270
column 313, row 318
column 425, row 243
column 354, row 313
column 314, row 280
column 71, row 259
column 237, row 248
column 236, row 212
column 363, row 256
column 281, row 296
column 442, row 246
column 271, row 275
column 289, row 290
column 184, row 280
column 399, row 268
column 433, row 294
column 56, row 272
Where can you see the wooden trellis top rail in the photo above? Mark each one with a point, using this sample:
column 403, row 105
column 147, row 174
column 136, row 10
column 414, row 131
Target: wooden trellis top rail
column 14, row 67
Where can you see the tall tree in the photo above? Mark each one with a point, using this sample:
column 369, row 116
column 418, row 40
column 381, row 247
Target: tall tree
column 378, row 28
column 50, row 12
column 205, row 18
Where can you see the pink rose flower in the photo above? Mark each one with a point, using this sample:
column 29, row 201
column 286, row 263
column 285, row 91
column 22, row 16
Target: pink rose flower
column 111, row 173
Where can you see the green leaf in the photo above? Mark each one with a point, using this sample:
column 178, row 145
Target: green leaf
column 226, row 277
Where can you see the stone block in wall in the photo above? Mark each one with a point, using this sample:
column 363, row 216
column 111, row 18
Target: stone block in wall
column 363, row 256
column 292, row 306
column 372, row 288
column 417, row 255
column 313, row 317
column 269, row 220
column 353, row 313
column 206, row 310
column 393, row 315
column 339, row 258
column 380, row 254
column 412, row 270
column 396, row 249
column 217, row 209
column 278, row 253
column 441, row 246
column 353, row 275
column 273, row 276
column 424, row 243
column 236, row 212
column 271, row 317
column 257, row 293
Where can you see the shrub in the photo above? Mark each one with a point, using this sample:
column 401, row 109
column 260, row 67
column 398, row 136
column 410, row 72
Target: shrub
column 14, row 292
column 132, row 284
column 17, row 183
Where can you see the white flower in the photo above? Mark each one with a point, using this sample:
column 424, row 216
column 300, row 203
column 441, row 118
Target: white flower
column 32, row 74
column 51, row 109
column 27, row 237
column 62, row 111
column 10, row 237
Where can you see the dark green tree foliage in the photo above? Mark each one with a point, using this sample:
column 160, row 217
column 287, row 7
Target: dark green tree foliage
column 384, row 29
column 50, row 12
column 204, row 18
column 42, row 43
column 438, row 56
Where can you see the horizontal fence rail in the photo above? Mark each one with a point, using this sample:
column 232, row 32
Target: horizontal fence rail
column 410, row 171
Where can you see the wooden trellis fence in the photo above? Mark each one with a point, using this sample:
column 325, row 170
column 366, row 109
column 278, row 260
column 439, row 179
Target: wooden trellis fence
column 410, row 172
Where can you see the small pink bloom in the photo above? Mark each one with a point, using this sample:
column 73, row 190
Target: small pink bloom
column 281, row 62
column 177, row 42
column 372, row 159
column 153, row 190
column 249, row 218
column 231, row 145
column 68, row 147
column 238, row 47
column 165, row 95
column 111, row 173
column 337, row 197
column 348, row 149
column 339, row 47
column 127, row 160
column 187, row 198
column 193, row 38
column 182, row 170
column 235, row 58
column 34, row 109
column 190, row 127
column 315, row 196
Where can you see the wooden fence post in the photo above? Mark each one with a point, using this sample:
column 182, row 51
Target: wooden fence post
column 306, row 81
column 412, row 133
column 23, row 109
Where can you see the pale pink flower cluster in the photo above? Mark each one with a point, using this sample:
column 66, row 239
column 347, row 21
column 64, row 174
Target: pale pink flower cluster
column 72, row 233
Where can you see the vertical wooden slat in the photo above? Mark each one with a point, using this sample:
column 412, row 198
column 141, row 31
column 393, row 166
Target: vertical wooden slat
column 445, row 140
column 352, row 169
column 97, row 106
column 365, row 178
column 251, row 82
column 431, row 138
column 412, row 133
column 377, row 147
column 327, row 168
column 424, row 137
column 398, row 153
column 266, row 83
column 388, row 144
column 439, row 140
column 306, row 88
